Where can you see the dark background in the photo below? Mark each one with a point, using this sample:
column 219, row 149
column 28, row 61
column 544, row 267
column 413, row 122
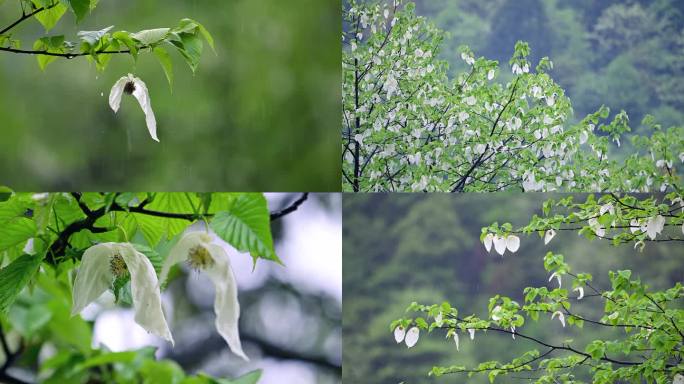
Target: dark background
column 262, row 114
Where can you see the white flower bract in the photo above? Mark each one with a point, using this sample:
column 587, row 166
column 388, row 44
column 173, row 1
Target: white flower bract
column 399, row 334
column 201, row 253
column 561, row 317
column 488, row 241
column 499, row 244
column 581, row 292
column 101, row 264
column 412, row 337
column 512, row 243
column 138, row 89
column 549, row 235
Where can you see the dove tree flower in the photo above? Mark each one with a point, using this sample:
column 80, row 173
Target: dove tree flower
column 132, row 85
column 548, row 235
column 412, row 337
column 101, row 264
column 560, row 315
column 399, row 334
column 201, row 253
column 557, row 276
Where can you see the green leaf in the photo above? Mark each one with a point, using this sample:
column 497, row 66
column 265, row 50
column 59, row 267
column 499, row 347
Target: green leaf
column 151, row 36
column 16, row 231
column 161, row 372
column 80, row 8
column 190, row 48
column 107, row 358
column 151, row 254
column 49, row 18
column 27, row 320
column 250, row 378
column 125, row 38
column 247, row 226
column 190, row 25
column 14, row 277
column 53, row 44
column 165, row 61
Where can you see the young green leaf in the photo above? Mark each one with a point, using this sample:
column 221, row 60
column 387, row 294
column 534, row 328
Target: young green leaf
column 165, row 60
column 14, row 277
column 247, row 227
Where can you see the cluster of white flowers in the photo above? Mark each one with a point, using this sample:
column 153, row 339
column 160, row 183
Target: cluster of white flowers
column 501, row 243
column 101, row 264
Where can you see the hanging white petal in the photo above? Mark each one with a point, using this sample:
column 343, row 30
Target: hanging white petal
column 581, row 292
column 439, row 319
column 561, row 317
column 495, row 313
column 136, row 87
column 456, row 340
column 557, row 276
column 513, row 331
column 472, row 333
column 488, row 241
column 399, row 334
column 654, row 226
column 412, row 337
column 512, row 243
column 550, row 233
column 102, row 263
column 198, row 250
column 499, row 244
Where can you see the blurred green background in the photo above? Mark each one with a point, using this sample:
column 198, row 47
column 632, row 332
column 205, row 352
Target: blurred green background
column 626, row 54
column 400, row 248
column 262, row 114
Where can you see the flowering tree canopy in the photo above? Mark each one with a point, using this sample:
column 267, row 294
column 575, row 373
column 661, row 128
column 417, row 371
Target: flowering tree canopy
column 408, row 126
column 651, row 321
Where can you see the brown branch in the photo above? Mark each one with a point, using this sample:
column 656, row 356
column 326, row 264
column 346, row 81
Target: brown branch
column 291, row 208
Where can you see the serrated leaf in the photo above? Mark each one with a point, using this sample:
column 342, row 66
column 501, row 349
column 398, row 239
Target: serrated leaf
column 165, row 60
column 49, row 18
column 151, row 254
column 190, row 47
column 247, row 226
column 14, row 277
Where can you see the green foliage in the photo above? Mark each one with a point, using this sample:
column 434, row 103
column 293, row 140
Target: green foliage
column 99, row 45
column 651, row 322
column 43, row 237
column 409, row 125
column 246, row 226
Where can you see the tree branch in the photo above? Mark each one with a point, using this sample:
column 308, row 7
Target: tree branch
column 64, row 55
column 58, row 247
column 291, row 208
column 25, row 16
column 10, row 357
